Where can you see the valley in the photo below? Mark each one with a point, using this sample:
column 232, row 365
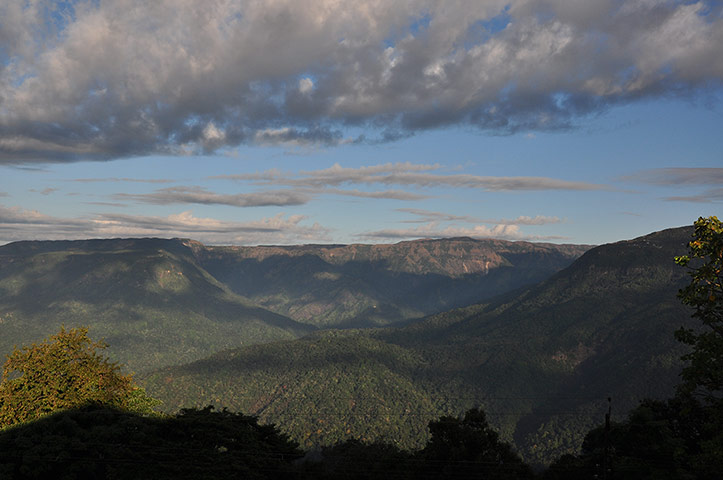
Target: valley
column 371, row 342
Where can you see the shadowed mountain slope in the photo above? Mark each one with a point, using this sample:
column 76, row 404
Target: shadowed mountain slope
column 148, row 298
column 547, row 358
column 541, row 361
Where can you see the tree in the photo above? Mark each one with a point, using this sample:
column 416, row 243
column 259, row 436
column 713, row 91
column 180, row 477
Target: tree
column 470, row 448
column 704, row 373
column 65, row 371
column 659, row 440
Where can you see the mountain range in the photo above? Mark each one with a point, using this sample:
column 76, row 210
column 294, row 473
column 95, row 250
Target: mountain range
column 371, row 285
column 542, row 361
column 161, row 302
column 371, row 341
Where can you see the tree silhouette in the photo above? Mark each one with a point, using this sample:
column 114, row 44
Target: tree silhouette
column 470, row 448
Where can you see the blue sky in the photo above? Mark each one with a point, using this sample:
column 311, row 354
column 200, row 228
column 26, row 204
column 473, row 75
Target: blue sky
column 293, row 122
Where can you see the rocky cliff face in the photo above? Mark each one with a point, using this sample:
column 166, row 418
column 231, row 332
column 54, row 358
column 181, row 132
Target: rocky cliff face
column 370, row 285
column 454, row 257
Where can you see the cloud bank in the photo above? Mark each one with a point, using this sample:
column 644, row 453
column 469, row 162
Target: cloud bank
column 21, row 224
column 431, row 227
column 406, row 174
column 102, row 80
column 433, row 230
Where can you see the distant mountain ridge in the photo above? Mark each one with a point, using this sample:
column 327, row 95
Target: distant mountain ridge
column 370, row 285
column 453, row 257
column 165, row 301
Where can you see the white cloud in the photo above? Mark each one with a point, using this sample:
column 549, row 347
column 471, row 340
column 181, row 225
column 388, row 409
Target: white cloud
column 502, row 228
column 525, row 220
column 21, row 224
column 132, row 77
column 432, row 230
column 306, row 85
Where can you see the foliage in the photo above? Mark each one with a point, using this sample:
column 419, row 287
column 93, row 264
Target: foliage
column 470, row 448
column 567, row 338
column 103, row 443
column 465, row 447
column 704, row 374
column 321, row 390
column 672, row 439
column 65, row 371
column 356, row 460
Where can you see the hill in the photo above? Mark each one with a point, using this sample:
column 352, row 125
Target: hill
column 148, row 298
column 541, row 361
column 547, row 358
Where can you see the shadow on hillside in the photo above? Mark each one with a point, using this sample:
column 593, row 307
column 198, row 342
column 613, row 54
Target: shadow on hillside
column 96, row 442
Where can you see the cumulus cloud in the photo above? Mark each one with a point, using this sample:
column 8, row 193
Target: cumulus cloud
column 102, row 80
column 22, row 224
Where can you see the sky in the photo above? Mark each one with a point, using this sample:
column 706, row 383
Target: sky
column 294, row 122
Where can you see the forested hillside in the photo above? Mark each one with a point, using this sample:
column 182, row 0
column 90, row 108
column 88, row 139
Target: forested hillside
column 148, row 298
column 163, row 302
column 541, row 361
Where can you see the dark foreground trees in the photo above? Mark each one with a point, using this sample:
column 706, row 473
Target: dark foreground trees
column 470, row 448
column 96, row 442
column 663, row 440
column 67, row 412
column 65, row 371
column 465, row 447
